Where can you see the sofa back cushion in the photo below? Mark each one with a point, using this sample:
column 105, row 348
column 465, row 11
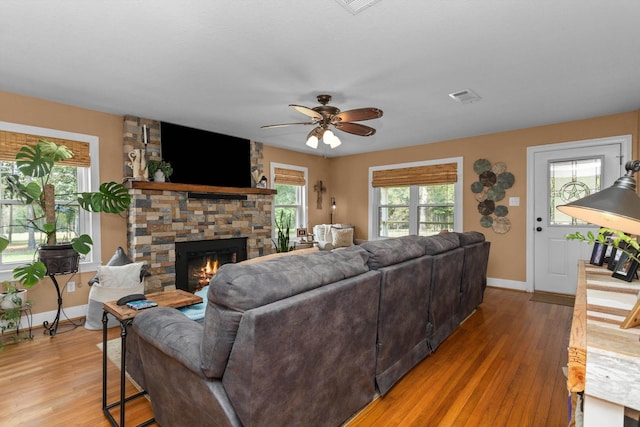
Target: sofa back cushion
column 307, row 360
column 440, row 243
column 470, row 237
column 392, row 251
column 239, row 287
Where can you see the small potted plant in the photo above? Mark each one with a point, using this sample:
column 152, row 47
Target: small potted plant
column 12, row 301
column 33, row 187
column 283, row 227
column 160, row 170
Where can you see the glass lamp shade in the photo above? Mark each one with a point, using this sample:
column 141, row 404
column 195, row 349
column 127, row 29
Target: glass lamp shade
column 312, row 141
column 327, row 137
column 617, row 207
column 335, row 142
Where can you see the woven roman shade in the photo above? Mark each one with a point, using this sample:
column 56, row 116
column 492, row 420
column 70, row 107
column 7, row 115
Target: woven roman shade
column 10, row 143
column 446, row 173
column 289, row 177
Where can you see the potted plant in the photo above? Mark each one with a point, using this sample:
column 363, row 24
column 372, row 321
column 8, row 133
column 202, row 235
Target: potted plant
column 283, row 227
column 12, row 301
column 33, row 187
column 159, row 170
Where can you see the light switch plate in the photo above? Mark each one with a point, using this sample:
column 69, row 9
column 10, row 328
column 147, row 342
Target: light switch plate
column 514, row 201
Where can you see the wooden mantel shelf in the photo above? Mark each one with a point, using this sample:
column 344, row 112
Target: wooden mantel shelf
column 172, row 186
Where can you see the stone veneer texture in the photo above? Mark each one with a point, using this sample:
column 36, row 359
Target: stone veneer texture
column 158, row 219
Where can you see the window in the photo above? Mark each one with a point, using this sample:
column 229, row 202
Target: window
column 291, row 200
column 78, row 175
column 419, row 198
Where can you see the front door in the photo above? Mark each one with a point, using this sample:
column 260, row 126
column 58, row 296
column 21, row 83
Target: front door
column 561, row 176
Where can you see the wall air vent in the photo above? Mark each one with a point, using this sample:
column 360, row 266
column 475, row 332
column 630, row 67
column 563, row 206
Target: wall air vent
column 356, row 6
column 465, row 96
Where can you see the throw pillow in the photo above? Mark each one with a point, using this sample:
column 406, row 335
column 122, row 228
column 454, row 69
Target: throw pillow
column 342, row 237
column 122, row 276
column 321, row 233
column 119, row 258
column 114, row 283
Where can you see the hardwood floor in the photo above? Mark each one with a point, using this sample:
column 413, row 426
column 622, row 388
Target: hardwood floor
column 502, row 367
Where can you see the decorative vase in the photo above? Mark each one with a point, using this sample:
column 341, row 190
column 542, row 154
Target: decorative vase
column 158, row 176
column 6, row 302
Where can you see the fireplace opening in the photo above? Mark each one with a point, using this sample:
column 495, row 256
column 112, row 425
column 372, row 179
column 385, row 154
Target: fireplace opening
column 198, row 261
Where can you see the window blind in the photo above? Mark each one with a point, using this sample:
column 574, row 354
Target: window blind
column 11, row 142
column 289, row 177
column 446, row 173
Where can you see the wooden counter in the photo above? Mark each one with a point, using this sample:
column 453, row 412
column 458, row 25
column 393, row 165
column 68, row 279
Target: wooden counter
column 604, row 359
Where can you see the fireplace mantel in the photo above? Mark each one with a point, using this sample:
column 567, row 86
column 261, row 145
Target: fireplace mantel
column 172, row 186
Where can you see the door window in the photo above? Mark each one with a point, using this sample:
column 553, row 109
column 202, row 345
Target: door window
column 570, row 180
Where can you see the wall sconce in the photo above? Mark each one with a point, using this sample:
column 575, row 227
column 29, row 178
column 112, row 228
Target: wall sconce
column 333, row 209
column 617, row 207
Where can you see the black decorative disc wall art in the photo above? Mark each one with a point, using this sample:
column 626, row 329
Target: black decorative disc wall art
column 493, row 181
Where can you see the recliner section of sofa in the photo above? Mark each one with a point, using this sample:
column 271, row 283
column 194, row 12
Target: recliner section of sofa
column 308, row 339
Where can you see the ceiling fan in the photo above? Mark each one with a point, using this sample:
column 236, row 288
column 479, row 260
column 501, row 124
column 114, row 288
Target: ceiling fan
column 325, row 115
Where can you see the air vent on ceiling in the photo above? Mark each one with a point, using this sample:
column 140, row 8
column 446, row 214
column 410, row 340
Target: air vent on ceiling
column 465, row 96
column 356, row 6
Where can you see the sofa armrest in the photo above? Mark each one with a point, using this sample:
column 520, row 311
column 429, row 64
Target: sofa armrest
column 173, row 333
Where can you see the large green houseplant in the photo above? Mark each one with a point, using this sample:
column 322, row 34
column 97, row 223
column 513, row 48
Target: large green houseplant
column 33, row 187
column 283, row 229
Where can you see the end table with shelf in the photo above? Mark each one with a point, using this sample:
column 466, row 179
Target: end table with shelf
column 125, row 315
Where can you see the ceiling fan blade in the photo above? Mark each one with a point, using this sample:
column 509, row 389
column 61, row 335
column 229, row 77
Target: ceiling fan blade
column 307, row 111
column 355, row 128
column 287, row 124
column 358, row 114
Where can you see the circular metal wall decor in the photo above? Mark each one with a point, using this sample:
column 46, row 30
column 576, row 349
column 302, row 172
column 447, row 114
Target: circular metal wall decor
column 493, row 181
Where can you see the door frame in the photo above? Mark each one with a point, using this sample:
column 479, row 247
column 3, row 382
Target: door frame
column 625, row 140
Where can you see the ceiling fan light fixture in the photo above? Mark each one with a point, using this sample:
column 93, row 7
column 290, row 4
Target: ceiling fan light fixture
column 312, row 141
column 335, row 142
column 328, row 136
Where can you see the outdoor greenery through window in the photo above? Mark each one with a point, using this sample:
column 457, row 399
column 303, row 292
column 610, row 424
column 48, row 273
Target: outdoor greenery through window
column 289, row 204
column 416, row 209
column 418, row 198
column 14, row 214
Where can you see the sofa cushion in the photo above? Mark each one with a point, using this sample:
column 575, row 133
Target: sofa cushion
column 239, row 287
column 392, row 251
column 470, row 237
column 440, row 243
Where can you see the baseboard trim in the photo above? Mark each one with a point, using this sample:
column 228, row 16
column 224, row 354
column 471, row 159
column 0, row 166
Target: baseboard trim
column 506, row 284
column 66, row 313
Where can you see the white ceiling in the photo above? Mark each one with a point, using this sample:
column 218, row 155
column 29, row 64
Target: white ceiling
column 232, row 66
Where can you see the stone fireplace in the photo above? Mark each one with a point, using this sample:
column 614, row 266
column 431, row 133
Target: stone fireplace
column 165, row 213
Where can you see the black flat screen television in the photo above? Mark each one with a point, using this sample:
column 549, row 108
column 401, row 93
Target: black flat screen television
column 205, row 158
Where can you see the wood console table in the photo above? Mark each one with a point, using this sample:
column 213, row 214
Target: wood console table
column 604, row 360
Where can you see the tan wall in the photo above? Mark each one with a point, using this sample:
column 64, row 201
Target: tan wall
column 508, row 256
column 345, row 178
column 107, row 127
column 317, row 171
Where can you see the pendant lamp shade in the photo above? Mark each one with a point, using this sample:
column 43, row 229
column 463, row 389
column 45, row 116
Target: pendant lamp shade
column 617, row 207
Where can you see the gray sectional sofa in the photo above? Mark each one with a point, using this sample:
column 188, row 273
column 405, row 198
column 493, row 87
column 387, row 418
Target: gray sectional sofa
column 307, row 340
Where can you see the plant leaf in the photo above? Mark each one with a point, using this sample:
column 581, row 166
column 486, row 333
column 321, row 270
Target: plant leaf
column 30, row 274
column 82, row 244
column 110, row 198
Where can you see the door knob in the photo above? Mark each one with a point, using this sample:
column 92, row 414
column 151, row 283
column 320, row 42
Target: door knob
column 538, row 228
column 539, row 219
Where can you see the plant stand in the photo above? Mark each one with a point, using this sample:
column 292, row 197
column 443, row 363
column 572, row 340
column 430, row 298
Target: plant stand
column 26, row 311
column 52, row 328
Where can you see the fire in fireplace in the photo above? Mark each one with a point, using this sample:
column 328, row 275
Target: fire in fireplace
column 198, row 261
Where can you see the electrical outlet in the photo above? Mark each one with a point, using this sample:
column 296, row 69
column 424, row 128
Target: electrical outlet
column 71, row 286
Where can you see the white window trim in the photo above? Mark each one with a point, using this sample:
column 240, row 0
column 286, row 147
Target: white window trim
column 305, row 195
column 93, row 218
column 458, row 186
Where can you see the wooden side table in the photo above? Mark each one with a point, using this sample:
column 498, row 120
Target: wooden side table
column 125, row 315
